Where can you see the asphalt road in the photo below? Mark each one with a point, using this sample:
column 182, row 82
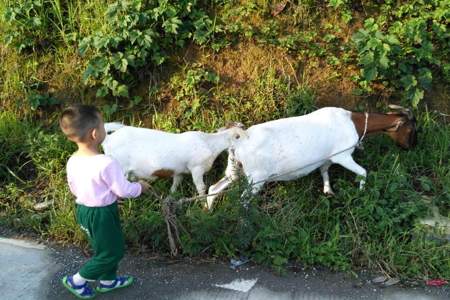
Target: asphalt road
column 33, row 271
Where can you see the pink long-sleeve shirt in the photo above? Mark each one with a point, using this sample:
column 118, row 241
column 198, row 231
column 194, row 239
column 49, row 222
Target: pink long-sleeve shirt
column 98, row 180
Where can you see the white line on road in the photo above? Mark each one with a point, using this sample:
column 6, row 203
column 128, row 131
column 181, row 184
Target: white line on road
column 239, row 285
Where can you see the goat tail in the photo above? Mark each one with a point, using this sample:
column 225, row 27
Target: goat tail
column 113, row 126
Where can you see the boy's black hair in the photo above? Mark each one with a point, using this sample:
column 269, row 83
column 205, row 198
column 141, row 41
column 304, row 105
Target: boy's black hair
column 77, row 120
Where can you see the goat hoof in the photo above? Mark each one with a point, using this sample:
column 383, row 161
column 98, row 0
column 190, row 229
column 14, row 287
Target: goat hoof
column 328, row 192
column 205, row 208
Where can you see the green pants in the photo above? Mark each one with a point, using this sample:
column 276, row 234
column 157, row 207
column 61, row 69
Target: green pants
column 102, row 226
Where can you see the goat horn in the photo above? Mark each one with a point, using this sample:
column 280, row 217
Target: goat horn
column 230, row 124
column 404, row 110
column 409, row 114
column 396, row 107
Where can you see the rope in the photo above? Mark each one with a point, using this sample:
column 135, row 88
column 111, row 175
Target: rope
column 167, row 207
column 171, row 223
column 168, row 204
column 271, row 177
column 359, row 144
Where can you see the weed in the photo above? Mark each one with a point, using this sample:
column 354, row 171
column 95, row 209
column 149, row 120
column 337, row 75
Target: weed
column 138, row 34
column 405, row 55
column 240, row 63
column 14, row 163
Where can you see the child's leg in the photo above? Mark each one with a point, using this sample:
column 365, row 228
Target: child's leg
column 102, row 224
column 120, row 282
column 80, row 288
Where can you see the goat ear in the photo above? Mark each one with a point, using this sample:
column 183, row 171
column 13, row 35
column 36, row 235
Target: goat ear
column 229, row 124
column 400, row 123
column 239, row 124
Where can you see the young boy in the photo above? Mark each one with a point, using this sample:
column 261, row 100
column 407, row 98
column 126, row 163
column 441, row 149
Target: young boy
column 97, row 181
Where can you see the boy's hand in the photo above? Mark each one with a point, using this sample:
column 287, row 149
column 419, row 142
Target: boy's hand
column 145, row 186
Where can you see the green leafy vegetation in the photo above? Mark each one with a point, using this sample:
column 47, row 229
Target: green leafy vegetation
column 402, row 56
column 194, row 65
column 29, row 26
column 140, row 34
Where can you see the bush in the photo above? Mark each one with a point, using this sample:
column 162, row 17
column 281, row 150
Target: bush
column 404, row 56
column 29, row 27
column 138, row 35
column 14, row 153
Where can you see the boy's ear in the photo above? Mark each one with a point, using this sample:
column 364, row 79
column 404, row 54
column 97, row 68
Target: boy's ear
column 93, row 134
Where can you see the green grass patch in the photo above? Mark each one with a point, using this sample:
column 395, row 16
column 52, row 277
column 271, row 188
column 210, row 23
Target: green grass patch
column 376, row 228
column 250, row 66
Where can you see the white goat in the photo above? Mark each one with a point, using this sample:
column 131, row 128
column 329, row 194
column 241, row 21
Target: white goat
column 286, row 149
column 150, row 154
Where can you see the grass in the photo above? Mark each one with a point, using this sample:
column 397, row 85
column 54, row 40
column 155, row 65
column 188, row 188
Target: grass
column 376, row 228
column 271, row 68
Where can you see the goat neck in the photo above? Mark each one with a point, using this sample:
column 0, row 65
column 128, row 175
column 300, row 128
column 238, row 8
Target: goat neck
column 219, row 141
column 376, row 122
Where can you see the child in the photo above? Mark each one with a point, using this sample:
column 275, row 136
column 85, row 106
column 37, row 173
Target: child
column 97, row 181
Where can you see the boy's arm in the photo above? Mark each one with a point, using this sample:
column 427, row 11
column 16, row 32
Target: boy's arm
column 119, row 185
column 69, row 181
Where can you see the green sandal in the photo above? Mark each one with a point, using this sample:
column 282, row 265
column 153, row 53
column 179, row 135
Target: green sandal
column 88, row 292
column 120, row 282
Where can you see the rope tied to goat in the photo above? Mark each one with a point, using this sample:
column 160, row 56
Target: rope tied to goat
column 169, row 204
column 171, row 222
